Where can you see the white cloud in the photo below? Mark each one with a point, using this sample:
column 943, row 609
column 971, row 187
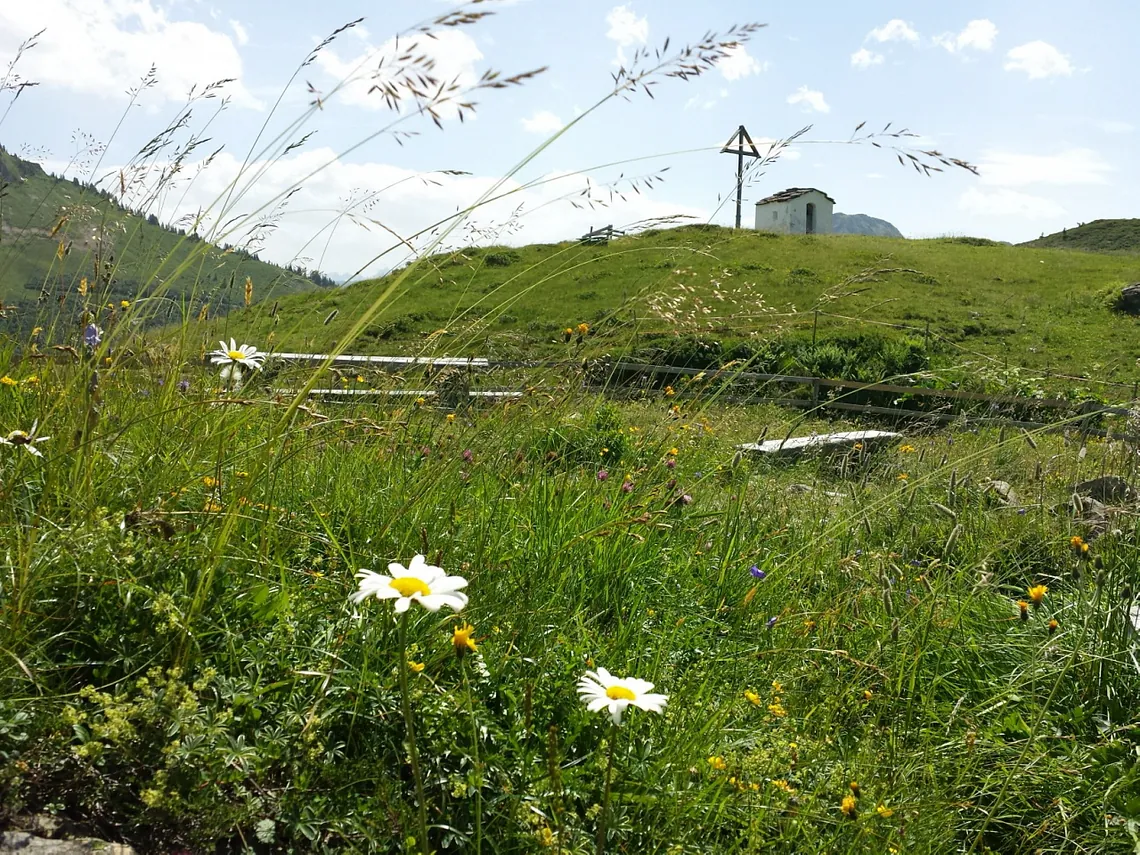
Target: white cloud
column 626, row 29
column 240, row 32
column 453, row 53
column 1074, row 166
column 978, row 35
column 1038, row 60
column 739, row 63
column 104, row 47
column 542, row 122
column 1115, row 126
column 895, row 30
column 811, row 99
column 1008, row 203
column 413, row 202
column 864, row 58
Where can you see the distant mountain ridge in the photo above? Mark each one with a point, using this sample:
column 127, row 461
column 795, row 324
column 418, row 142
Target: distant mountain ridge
column 55, row 232
column 862, row 224
column 1097, row 236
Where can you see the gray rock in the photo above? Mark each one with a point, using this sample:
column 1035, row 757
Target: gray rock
column 1108, row 489
column 1129, row 299
column 28, row 844
column 1003, row 491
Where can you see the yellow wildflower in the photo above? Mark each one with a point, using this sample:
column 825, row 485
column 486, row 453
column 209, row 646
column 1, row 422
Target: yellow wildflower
column 884, row 811
column 903, row 476
column 752, row 698
column 906, row 449
column 8, row 381
column 37, row 331
column 462, row 641
column 868, row 694
column 1037, row 593
column 124, row 304
column 776, row 687
column 83, row 287
column 210, row 482
column 848, row 807
column 777, row 709
column 783, row 786
column 669, row 392
column 1023, row 608
column 415, row 667
column 717, row 762
column 1053, row 625
column 583, row 329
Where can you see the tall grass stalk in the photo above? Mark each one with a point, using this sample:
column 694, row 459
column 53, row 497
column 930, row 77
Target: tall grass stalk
column 424, row 843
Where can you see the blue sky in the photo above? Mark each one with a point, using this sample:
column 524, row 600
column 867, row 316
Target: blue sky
column 1035, row 95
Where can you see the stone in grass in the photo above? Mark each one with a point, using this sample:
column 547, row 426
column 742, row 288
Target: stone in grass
column 1003, row 491
column 867, row 440
column 28, row 844
column 1108, row 489
column 1129, row 299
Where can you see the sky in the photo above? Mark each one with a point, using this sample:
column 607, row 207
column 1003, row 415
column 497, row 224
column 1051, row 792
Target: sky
column 305, row 158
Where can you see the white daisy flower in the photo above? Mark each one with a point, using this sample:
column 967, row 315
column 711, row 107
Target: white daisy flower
column 419, row 581
column 602, row 690
column 27, row 439
column 246, row 355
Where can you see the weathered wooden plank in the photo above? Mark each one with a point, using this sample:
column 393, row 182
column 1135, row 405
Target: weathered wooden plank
column 800, row 444
column 395, row 361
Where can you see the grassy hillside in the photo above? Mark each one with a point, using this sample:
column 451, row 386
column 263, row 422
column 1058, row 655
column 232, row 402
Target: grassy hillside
column 55, row 232
column 1097, row 236
column 960, row 302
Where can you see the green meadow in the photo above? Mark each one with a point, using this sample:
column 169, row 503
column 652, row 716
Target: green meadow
column 972, row 310
column 236, row 617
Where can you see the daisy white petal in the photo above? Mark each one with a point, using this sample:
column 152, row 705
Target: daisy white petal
column 419, row 582
column 602, row 690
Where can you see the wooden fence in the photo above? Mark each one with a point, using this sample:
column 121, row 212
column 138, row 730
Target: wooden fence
column 625, row 379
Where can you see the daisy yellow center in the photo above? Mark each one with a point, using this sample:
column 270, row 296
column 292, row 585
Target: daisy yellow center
column 17, row 437
column 620, row 693
column 236, row 354
column 409, row 586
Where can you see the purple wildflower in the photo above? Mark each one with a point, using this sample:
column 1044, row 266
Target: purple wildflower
column 670, row 463
column 184, row 386
column 468, row 456
column 772, row 621
column 757, row 573
column 92, row 335
column 603, row 474
column 686, row 499
column 698, row 474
